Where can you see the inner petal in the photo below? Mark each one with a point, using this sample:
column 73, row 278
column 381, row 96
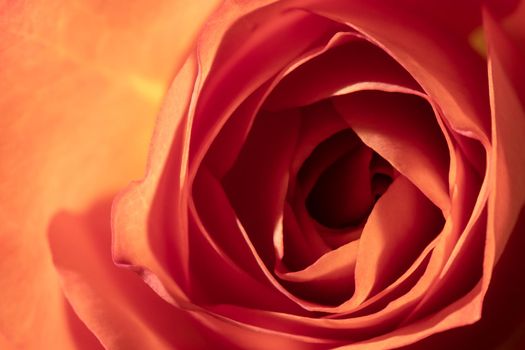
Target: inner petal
column 351, row 63
column 403, row 129
column 256, row 184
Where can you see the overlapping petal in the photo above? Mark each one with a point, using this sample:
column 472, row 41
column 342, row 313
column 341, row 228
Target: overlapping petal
column 395, row 280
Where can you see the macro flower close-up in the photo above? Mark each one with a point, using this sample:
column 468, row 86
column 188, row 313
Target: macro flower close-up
column 262, row 174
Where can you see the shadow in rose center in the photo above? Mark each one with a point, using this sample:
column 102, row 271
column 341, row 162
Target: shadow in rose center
column 344, row 193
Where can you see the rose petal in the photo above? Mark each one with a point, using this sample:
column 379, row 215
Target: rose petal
column 344, row 65
column 228, row 143
column 297, row 241
column 401, row 128
column 263, row 56
column 267, row 168
column 115, row 303
column 458, row 253
column 135, row 243
column 217, row 242
column 177, row 263
column 444, row 64
column 329, row 279
column 496, row 329
column 256, row 185
column 508, row 120
column 393, row 236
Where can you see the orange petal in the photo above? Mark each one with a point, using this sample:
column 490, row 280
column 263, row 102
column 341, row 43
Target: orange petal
column 402, row 129
column 496, row 329
column 217, row 242
column 441, row 61
column 401, row 224
column 133, row 233
column 137, row 242
column 256, row 185
column 508, row 122
column 350, row 61
column 328, row 279
column 115, row 303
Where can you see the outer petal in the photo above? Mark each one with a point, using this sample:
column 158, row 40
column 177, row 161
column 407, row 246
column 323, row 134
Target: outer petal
column 116, row 304
column 506, row 220
column 79, row 92
column 508, row 132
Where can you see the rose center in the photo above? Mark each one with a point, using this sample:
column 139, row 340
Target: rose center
column 345, row 191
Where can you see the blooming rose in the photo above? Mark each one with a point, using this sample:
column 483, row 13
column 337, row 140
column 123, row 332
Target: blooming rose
column 323, row 174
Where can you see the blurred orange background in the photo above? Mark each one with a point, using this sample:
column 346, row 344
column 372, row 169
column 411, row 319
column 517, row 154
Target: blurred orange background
column 81, row 82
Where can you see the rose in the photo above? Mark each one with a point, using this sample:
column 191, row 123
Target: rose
column 182, row 283
column 243, row 194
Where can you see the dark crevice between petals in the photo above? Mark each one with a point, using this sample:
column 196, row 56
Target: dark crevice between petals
column 346, row 191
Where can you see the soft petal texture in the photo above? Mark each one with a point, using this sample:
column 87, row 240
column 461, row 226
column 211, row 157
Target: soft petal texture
column 228, row 249
column 261, row 168
column 137, row 242
column 496, row 329
column 454, row 77
column 440, row 322
column 133, row 244
column 446, row 67
column 81, row 83
column 89, row 91
column 391, row 236
column 352, row 62
column 402, row 129
column 507, row 200
column 115, row 303
column 265, row 54
column 508, row 129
